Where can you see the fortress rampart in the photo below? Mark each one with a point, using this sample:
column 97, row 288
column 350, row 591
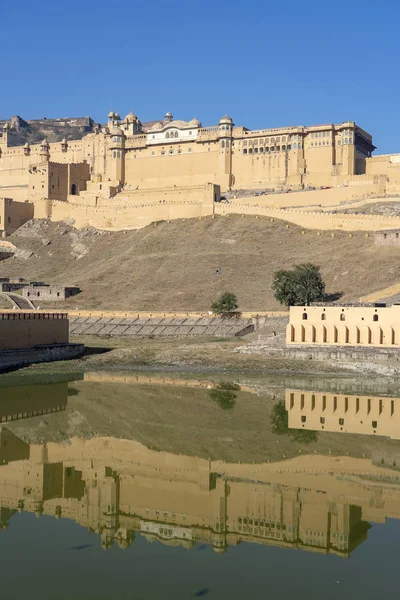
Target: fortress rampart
column 127, row 174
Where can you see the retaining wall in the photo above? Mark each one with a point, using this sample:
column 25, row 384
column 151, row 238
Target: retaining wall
column 137, row 326
column 10, row 359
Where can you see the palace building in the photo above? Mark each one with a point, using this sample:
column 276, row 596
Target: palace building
column 127, row 173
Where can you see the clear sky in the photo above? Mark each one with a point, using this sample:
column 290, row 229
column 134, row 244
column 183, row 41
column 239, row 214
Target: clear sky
column 267, row 64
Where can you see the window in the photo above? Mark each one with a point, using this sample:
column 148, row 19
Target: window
column 375, row 318
column 305, row 316
column 322, row 420
column 374, row 424
column 303, row 418
column 341, row 421
column 323, row 317
column 342, row 317
column 167, row 135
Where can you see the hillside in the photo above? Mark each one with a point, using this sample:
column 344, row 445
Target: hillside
column 172, row 266
column 54, row 130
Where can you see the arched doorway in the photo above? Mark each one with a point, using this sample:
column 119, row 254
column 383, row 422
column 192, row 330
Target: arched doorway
column 74, row 189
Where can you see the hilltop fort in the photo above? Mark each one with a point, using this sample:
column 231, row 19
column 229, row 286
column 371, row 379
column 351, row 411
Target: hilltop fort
column 126, row 174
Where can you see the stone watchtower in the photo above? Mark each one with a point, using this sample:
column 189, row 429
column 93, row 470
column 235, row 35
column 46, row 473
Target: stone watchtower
column 225, row 131
column 44, row 151
column 4, row 138
column 117, row 156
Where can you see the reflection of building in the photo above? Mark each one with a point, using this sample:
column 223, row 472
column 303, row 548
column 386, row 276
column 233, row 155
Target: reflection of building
column 343, row 325
column 118, row 487
column 339, row 412
column 21, row 402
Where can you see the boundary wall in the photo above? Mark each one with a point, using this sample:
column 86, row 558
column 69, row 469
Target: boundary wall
column 25, row 329
column 135, row 216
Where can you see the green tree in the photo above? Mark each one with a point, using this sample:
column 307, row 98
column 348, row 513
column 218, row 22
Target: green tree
column 226, row 305
column 299, row 286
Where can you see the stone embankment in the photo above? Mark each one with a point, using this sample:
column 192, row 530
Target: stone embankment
column 159, row 326
column 13, row 359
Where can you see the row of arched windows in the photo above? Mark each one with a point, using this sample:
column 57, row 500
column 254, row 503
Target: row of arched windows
column 266, row 150
column 171, row 134
column 342, row 317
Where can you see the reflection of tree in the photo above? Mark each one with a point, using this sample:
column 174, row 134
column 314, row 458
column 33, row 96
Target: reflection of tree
column 280, row 425
column 224, row 394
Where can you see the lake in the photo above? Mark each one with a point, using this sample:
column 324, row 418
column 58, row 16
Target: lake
column 150, row 486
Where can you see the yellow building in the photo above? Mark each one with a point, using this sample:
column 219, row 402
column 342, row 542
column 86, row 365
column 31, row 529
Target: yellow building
column 375, row 325
column 172, row 168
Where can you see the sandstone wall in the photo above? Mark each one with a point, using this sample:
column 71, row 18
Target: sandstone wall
column 24, row 329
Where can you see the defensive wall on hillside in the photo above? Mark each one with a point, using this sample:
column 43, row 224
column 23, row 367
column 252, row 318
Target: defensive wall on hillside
column 127, row 215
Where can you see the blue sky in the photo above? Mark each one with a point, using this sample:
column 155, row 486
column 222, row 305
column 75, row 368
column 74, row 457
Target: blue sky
column 267, row 64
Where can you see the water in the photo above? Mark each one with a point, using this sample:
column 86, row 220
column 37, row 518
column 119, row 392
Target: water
column 125, row 486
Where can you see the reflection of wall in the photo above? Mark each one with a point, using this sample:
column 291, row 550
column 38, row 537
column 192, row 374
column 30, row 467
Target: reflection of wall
column 339, row 412
column 30, row 401
column 117, row 488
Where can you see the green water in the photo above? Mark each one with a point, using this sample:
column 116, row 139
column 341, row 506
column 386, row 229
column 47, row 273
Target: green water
column 146, row 487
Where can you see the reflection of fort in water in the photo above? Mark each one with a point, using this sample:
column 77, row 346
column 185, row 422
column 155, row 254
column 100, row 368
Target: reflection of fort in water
column 118, row 487
column 322, row 411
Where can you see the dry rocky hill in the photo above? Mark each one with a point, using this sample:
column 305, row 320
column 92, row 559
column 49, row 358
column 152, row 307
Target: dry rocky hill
column 173, row 266
column 54, row 130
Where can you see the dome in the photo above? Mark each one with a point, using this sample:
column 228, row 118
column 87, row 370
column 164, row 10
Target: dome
column 130, row 118
column 226, row 120
column 45, row 143
column 117, row 116
column 26, row 145
column 117, row 131
column 110, row 115
column 168, row 115
column 195, row 123
column 5, row 126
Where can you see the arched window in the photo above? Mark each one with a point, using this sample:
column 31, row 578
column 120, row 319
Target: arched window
column 73, row 189
column 305, row 316
column 222, row 144
column 342, row 317
column 176, row 134
column 250, row 150
column 375, row 318
column 323, row 317
column 167, row 135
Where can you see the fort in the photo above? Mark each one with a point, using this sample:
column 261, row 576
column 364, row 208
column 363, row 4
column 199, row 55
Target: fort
column 126, row 174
